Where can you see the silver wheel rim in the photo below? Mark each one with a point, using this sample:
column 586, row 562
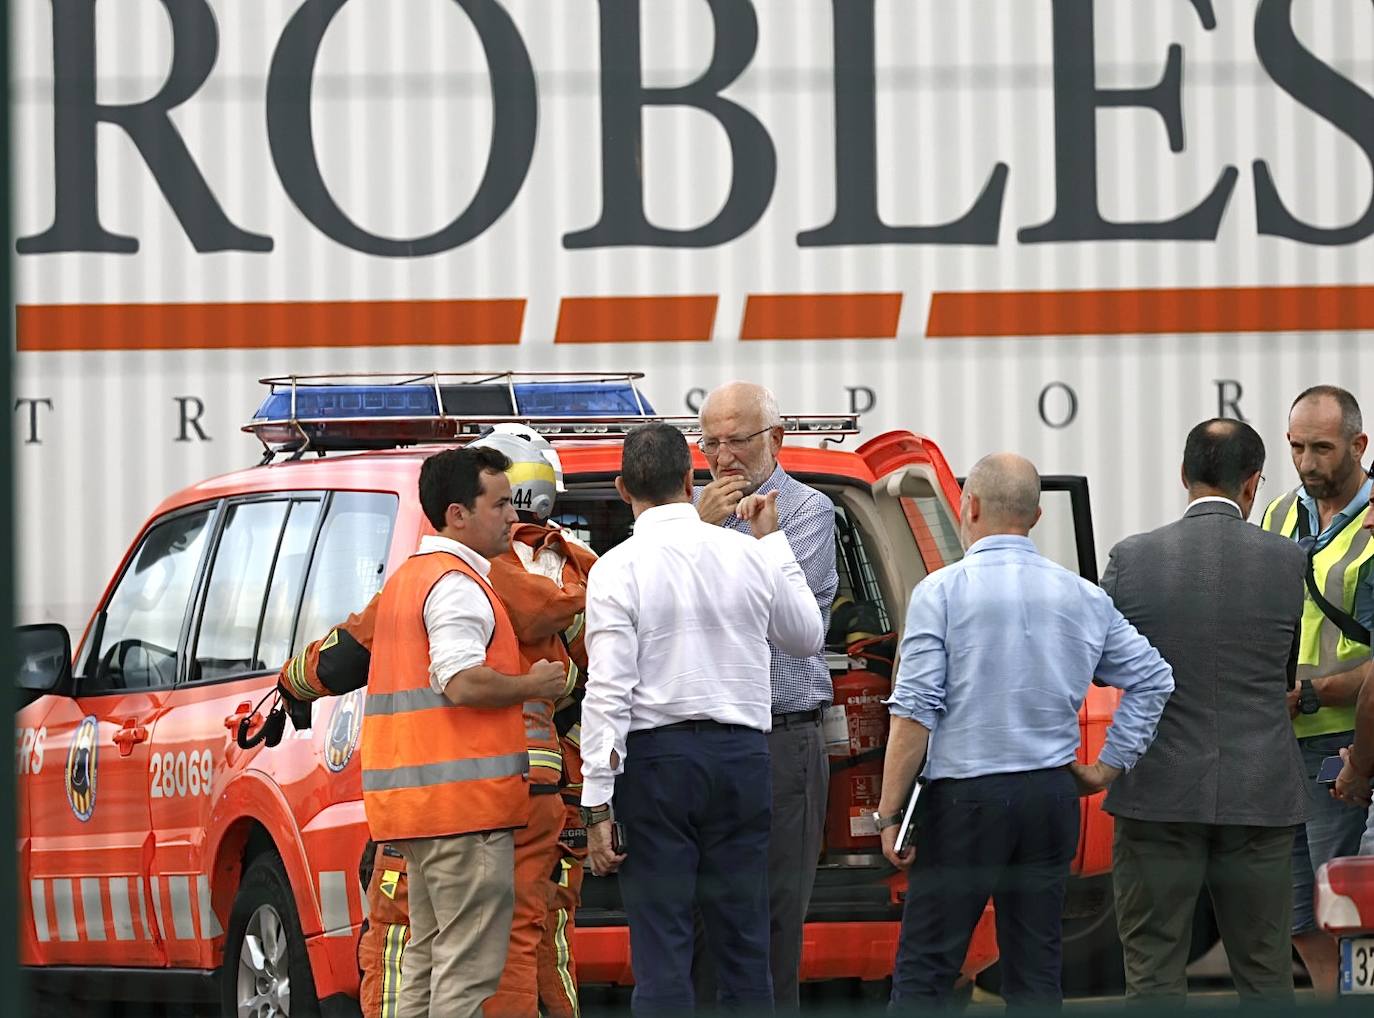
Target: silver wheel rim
column 264, row 982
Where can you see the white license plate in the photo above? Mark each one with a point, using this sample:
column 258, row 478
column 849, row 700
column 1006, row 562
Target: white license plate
column 1357, row 965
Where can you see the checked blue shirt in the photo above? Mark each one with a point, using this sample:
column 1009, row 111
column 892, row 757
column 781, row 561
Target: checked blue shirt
column 807, row 517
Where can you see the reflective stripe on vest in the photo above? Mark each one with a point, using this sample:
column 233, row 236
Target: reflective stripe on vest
column 1324, row 649
column 443, row 773
column 405, row 701
column 432, row 768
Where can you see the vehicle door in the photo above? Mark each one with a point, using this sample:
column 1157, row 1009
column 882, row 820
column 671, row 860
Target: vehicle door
column 279, row 563
column 1065, row 534
column 92, row 841
column 238, row 634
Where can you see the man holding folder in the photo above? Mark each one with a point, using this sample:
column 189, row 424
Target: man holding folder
column 997, row 656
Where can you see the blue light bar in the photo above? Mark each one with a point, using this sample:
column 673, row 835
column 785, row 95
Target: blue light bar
column 579, row 399
column 310, row 413
column 321, row 402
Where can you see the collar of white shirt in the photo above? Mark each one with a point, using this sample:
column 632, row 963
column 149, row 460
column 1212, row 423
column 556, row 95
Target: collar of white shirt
column 1215, row 498
column 662, row 514
column 434, row 542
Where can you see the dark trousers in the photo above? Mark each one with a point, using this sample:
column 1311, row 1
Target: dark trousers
column 801, row 783
column 1158, row 871
column 695, row 805
column 1009, row 837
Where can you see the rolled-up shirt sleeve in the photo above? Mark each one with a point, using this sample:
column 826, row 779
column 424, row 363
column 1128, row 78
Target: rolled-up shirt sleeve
column 918, row 693
column 794, row 619
column 1130, row 663
column 612, row 675
column 460, row 624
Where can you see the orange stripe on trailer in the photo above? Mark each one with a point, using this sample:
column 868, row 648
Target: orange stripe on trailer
column 1151, row 312
column 821, row 316
column 636, row 319
column 265, row 324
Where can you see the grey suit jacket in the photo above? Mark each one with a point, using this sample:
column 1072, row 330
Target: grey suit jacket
column 1222, row 602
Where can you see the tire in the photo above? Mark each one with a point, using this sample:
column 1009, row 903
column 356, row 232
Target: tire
column 266, row 971
column 1093, row 963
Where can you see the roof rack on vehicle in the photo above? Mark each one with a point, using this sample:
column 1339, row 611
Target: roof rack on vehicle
column 383, row 410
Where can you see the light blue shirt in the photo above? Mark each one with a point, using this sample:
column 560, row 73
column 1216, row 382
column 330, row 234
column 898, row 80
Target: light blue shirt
column 1364, row 590
column 997, row 657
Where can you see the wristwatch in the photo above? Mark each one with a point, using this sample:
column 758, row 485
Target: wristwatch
column 595, row 814
column 1308, row 700
column 882, row 823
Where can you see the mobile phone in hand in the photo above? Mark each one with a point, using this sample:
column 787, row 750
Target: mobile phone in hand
column 1330, row 770
column 617, row 837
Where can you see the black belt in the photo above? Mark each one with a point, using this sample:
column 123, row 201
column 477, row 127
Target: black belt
column 543, row 789
column 698, row 725
column 798, row 717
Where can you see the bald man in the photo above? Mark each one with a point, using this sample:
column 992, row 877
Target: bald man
column 741, row 433
column 996, row 658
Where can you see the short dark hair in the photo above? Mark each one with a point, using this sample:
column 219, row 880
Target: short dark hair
column 654, row 461
column 455, row 476
column 1352, row 422
column 1223, row 454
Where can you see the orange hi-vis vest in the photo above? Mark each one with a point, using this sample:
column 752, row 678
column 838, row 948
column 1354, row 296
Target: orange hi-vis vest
column 547, row 620
column 432, row 769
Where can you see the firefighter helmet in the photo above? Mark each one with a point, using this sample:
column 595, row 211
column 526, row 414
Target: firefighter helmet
column 535, row 473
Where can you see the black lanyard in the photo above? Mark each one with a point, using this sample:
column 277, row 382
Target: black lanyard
column 1308, row 543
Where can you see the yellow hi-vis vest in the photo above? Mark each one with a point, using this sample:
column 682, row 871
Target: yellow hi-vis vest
column 1325, row 650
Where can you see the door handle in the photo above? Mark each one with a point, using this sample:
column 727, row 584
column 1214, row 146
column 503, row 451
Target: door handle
column 129, row 736
column 242, row 711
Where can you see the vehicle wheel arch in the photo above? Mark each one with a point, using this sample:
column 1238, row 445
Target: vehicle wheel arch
column 252, row 818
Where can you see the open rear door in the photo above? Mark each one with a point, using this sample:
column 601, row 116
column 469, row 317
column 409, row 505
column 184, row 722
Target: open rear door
column 1065, row 531
column 1065, row 535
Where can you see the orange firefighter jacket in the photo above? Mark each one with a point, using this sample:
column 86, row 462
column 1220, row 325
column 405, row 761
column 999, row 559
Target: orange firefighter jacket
column 548, row 622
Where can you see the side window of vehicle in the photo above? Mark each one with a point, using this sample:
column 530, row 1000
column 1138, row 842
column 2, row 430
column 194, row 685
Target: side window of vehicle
column 284, row 591
column 135, row 643
column 236, row 590
column 349, row 561
column 596, row 516
column 859, row 610
column 937, row 530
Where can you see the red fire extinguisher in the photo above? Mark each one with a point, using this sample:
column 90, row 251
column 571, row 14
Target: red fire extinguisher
column 856, row 762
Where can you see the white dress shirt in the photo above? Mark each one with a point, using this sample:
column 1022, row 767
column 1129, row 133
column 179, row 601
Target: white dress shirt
column 458, row 615
column 678, row 622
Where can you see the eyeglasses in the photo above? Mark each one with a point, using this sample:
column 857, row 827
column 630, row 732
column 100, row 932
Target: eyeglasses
column 711, row 446
column 1261, row 483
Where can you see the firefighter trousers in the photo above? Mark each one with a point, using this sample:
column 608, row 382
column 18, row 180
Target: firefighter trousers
column 536, row 854
column 383, row 942
column 557, row 967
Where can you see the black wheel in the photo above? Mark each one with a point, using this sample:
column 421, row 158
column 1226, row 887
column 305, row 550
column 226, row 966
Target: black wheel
column 1093, row 963
column 266, row 972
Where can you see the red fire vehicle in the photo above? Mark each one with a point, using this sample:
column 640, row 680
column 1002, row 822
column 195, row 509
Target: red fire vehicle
column 161, row 861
